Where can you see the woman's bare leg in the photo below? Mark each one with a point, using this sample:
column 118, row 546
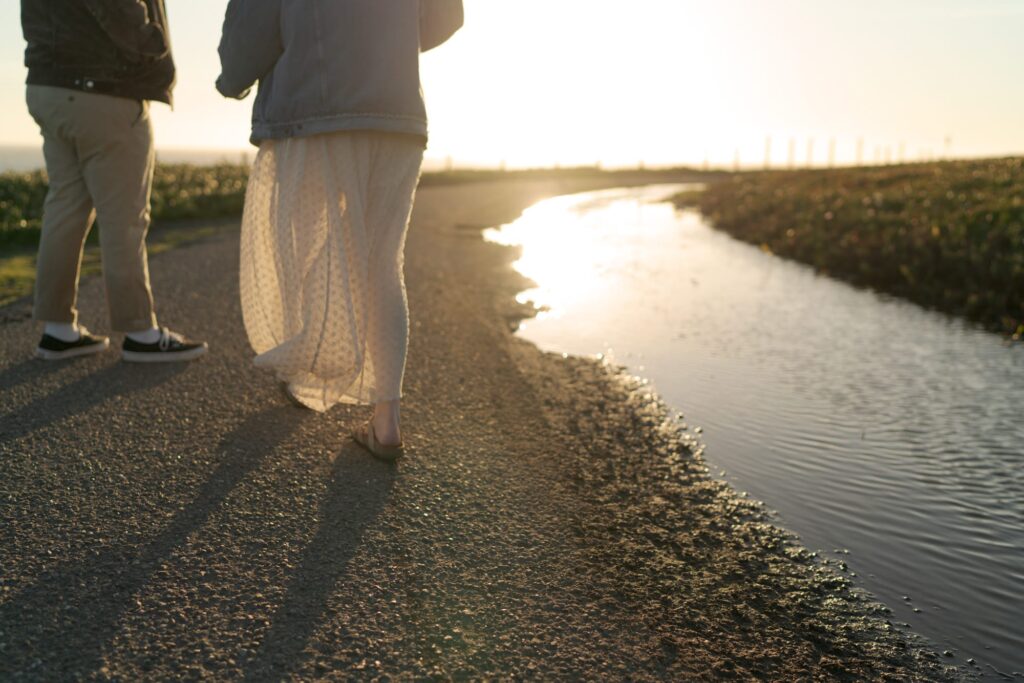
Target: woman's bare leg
column 389, row 208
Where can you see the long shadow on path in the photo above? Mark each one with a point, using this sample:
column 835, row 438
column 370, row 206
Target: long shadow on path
column 30, row 370
column 359, row 490
column 86, row 393
column 57, row 628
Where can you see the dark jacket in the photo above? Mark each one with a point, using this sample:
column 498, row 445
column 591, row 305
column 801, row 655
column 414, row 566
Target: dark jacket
column 111, row 47
column 332, row 65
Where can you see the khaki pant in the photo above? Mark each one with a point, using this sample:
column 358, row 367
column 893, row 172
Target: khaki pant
column 99, row 156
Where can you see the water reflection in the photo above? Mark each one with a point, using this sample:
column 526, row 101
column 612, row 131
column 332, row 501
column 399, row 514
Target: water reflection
column 569, row 267
column 870, row 424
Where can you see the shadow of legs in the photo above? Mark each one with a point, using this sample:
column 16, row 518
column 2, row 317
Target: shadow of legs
column 359, row 490
column 119, row 379
column 31, row 370
column 57, row 628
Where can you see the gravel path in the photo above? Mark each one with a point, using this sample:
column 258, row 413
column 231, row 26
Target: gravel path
column 185, row 522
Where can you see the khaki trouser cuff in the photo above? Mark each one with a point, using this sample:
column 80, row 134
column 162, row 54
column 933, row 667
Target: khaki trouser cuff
column 61, row 316
column 134, row 325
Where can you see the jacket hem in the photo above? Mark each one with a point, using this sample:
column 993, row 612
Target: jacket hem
column 58, row 78
column 389, row 123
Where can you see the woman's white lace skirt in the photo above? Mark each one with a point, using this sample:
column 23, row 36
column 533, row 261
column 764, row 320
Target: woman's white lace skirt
column 323, row 293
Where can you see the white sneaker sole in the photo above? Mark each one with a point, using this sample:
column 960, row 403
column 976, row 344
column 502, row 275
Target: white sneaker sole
column 46, row 354
column 163, row 356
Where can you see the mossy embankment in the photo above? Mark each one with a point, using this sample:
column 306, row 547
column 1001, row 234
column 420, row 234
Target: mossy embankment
column 947, row 235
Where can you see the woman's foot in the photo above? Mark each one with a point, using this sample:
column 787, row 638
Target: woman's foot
column 382, row 435
column 386, row 423
column 366, row 437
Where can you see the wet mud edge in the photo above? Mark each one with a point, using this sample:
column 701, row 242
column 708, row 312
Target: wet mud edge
column 738, row 586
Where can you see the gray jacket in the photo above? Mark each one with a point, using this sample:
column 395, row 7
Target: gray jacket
column 332, row 65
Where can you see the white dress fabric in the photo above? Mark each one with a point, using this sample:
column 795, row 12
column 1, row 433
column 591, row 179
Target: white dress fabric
column 322, row 286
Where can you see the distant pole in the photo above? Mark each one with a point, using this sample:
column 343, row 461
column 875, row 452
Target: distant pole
column 860, row 151
column 792, row 153
column 768, row 152
column 948, row 145
column 810, row 152
column 832, row 153
column 502, row 165
column 449, row 163
column 903, row 151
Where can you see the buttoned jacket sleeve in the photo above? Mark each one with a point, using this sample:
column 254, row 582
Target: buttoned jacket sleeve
column 250, row 45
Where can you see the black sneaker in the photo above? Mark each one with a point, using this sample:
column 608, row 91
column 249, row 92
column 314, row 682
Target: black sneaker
column 170, row 348
column 51, row 348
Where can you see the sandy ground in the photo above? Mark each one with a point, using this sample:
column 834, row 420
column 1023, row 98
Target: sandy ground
column 185, row 522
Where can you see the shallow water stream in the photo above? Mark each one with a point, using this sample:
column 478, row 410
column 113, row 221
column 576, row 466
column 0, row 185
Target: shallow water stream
column 883, row 434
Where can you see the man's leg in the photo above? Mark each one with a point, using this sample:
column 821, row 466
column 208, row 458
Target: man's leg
column 118, row 170
column 67, row 211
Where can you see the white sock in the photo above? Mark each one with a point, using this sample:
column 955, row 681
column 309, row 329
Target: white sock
column 66, row 332
column 150, row 336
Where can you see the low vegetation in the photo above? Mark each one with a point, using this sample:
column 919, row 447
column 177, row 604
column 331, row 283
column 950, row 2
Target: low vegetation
column 21, row 206
column 946, row 235
column 179, row 192
column 183, row 192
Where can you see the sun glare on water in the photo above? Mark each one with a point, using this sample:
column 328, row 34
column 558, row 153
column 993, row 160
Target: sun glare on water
column 555, row 255
column 560, row 254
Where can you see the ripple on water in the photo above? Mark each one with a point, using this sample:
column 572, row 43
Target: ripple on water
column 867, row 422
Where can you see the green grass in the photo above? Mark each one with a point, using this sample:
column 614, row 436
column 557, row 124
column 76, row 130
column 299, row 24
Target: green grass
column 21, row 207
column 946, row 235
column 17, row 276
column 180, row 192
column 183, row 191
column 18, row 263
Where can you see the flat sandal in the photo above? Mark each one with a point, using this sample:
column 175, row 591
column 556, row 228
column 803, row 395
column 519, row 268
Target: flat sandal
column 365, row 437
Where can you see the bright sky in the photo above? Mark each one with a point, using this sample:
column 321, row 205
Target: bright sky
column 539, row 82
